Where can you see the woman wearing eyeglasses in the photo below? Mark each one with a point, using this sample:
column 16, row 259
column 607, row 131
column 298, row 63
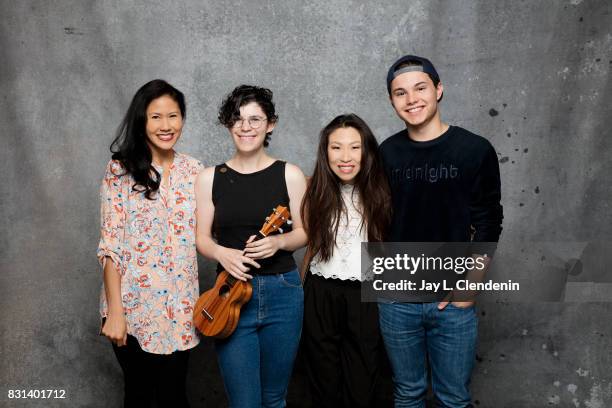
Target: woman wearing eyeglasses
column 233, row 200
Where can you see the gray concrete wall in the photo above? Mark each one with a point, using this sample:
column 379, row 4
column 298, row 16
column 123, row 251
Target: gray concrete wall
column 531, row 76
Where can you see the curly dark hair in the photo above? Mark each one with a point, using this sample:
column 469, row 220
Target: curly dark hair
column 130, row 146
column 229, row 111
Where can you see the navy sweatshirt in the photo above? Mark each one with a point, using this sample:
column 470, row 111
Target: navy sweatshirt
column 443, row 190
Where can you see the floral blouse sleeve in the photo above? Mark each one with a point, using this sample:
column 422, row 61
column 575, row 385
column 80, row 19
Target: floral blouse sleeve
column 112, row 216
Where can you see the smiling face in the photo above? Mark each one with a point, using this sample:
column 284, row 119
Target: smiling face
column 344, row 153
column 415, row 98
column 249, row 131
column 164, row 125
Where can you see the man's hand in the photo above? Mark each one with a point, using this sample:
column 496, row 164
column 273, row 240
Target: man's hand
column 460, row 305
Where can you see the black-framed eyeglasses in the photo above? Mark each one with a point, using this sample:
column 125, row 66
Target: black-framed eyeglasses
column 254, row 122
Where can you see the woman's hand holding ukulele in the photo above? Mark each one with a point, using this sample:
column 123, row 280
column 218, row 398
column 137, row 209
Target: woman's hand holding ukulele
column 263, row 248
column 233, row 261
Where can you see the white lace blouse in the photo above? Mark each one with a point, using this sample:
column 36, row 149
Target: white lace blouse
column 345, row 262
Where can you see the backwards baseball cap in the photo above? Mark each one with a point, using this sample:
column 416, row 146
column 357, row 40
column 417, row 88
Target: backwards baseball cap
column 426, row 67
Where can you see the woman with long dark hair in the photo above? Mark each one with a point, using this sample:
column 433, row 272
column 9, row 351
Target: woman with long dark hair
column 347, row 202
column 233, row 200
column 147, row 249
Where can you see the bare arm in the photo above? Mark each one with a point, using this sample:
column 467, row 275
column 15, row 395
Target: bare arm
column 232, row 260
column 296, row 187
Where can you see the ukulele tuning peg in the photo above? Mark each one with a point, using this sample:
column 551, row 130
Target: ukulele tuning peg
column 289, row 222
column 280, row 230
column 267, row 218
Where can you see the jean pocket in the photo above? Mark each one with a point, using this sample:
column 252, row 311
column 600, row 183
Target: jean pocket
column 290, row 279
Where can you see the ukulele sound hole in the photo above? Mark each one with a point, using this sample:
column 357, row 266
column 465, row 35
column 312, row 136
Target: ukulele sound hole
column 224, row 291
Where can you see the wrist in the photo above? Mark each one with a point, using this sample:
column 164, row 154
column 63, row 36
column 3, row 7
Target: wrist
column 216, row 252
column 115, row 311
column 280, row 241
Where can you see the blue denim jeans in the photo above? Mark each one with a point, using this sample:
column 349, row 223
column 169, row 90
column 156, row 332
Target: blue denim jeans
column 257, row 359
column 413, row 332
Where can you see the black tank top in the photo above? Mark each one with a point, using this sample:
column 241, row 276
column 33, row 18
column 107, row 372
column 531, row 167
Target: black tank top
column 242, row 203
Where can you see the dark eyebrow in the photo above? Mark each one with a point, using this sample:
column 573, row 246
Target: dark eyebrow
column 169, row 113
column 340, row 143
column 414, row 86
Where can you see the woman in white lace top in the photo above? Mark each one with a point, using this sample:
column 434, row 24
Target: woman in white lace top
column 347, row 202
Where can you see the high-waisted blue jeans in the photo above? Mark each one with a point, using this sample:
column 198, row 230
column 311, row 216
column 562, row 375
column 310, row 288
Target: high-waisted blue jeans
column 413, row 332
column 257, row 359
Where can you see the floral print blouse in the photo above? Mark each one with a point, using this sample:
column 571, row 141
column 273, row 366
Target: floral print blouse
column 152, row 244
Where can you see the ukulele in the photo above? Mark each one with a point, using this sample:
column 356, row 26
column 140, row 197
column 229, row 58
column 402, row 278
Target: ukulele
column 217, row 310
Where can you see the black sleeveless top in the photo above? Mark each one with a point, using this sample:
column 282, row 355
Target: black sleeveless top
column 242, row 203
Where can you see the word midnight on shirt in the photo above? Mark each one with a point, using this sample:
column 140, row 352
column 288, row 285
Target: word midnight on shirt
column 431, row 174
column 462, row 284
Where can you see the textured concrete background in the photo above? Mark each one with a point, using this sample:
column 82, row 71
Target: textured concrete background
column 531, row 76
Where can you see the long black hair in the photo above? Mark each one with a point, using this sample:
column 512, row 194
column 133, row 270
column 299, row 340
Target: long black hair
column 322, row 206
column 130, row 146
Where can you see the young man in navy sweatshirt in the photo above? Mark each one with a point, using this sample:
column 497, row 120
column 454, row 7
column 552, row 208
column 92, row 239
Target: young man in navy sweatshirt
column 445, row 187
